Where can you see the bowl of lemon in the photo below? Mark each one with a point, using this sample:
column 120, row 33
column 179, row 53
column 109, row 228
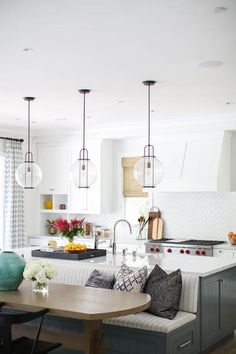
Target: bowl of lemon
column 72, row 247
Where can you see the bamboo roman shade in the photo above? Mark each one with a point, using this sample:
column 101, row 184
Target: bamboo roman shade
column 131, row 188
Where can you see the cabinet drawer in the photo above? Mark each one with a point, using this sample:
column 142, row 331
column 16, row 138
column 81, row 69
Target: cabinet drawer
column 183, row 343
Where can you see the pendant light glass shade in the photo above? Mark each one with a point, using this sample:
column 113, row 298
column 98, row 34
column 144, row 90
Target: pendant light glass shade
column 28, row 174
column 84, row 172
column 148, row 170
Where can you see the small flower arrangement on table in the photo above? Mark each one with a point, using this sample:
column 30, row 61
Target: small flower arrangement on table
column 39, row 273
column 69, row 229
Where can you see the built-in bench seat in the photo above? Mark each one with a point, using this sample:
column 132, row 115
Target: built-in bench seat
column 149, row 322
column 131, row 334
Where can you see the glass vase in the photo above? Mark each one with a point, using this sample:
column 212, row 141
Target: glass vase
column 142, row 235
column 39, row 287
column 139, row 236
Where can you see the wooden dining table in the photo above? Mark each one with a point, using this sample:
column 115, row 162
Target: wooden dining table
column 91, row 305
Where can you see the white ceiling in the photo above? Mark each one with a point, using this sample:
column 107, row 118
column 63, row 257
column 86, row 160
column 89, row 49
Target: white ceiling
column 111, row 46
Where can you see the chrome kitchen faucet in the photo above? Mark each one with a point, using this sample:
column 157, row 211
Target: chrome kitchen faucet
column 114, row 233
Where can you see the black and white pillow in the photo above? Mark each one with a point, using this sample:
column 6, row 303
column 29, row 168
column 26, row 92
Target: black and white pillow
column 130, row 280
column 98, row 280
column 165, row 291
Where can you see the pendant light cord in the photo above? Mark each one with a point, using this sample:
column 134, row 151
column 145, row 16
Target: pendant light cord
column 149, row 149
column 149, row 115
column 84, row 127
column 84, row 151
column 28, row 125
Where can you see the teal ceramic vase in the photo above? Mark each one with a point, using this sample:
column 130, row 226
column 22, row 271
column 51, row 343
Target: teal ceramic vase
column 11, row 271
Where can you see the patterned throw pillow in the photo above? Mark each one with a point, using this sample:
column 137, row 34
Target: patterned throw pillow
column 130, row 280
column 165, row 291
column 97, row 280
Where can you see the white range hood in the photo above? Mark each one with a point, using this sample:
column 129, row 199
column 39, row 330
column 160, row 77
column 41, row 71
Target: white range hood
column 197, row 162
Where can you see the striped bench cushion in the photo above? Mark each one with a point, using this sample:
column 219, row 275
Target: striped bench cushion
column 149, row 322
column 78, row 275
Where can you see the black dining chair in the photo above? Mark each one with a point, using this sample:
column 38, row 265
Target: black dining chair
column 22, row 345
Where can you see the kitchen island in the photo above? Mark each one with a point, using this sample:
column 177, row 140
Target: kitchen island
column 215, row 298
column 201, row 266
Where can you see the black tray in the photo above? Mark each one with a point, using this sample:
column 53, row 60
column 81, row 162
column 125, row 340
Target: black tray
column 89, row 253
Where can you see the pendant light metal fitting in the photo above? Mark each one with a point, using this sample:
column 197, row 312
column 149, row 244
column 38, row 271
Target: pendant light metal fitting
column 29, row 155
column 83, row 170
column 149, row 82
column 83, row 154
column 149, row 149
column 84, row 91
column 28, row 174
column 148, row 171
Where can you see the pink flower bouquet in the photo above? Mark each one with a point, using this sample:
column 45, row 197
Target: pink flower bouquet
column 69, row 229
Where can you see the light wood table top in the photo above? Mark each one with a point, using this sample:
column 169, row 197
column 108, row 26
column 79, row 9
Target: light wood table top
column 91, row 305
column 77, row 301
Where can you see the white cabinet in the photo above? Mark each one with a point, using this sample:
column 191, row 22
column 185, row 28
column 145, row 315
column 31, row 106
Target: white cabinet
column 195, row 162
column 59, row 197
column 224, row 253
column 53, row 161
column 98, row 198
column 86, row 200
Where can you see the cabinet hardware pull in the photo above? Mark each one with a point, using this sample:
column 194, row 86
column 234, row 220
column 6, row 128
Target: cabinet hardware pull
column 184, row 344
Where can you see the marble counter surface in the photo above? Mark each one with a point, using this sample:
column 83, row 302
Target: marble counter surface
column 226, row 246
column 201, row 266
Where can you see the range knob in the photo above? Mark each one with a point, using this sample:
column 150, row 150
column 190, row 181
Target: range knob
column 157, row 250
column 203, row 253
column 187, row 251
column 169, row 250
column 197, row 253
column 181, row 251
column 152, row 249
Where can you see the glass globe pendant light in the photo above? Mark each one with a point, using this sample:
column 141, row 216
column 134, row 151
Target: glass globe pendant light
column 28, row 174
column 148, row 170
column 84, row 172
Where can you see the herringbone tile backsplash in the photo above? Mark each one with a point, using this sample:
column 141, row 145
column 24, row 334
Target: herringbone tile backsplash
column 197, row 215
column 188, row 215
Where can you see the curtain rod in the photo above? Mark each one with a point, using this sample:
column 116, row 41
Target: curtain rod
column 12, row 139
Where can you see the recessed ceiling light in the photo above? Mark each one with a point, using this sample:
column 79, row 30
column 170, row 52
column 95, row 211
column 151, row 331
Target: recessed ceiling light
column 27, row 49
column 219, row 9
column 61, row 119
column 210, row 64
column 229, row 102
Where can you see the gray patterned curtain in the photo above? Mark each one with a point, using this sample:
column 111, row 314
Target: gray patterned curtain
column 14, row 199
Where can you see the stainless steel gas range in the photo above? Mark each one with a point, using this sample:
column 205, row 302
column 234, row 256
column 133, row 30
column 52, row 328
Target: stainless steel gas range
column 182, row 247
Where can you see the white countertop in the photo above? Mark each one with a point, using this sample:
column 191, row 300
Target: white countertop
column 226, row 246
column 201, row 266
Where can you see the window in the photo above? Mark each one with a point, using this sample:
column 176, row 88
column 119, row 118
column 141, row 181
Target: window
column 2, row 161
column 134, row 208
column 135, row 200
